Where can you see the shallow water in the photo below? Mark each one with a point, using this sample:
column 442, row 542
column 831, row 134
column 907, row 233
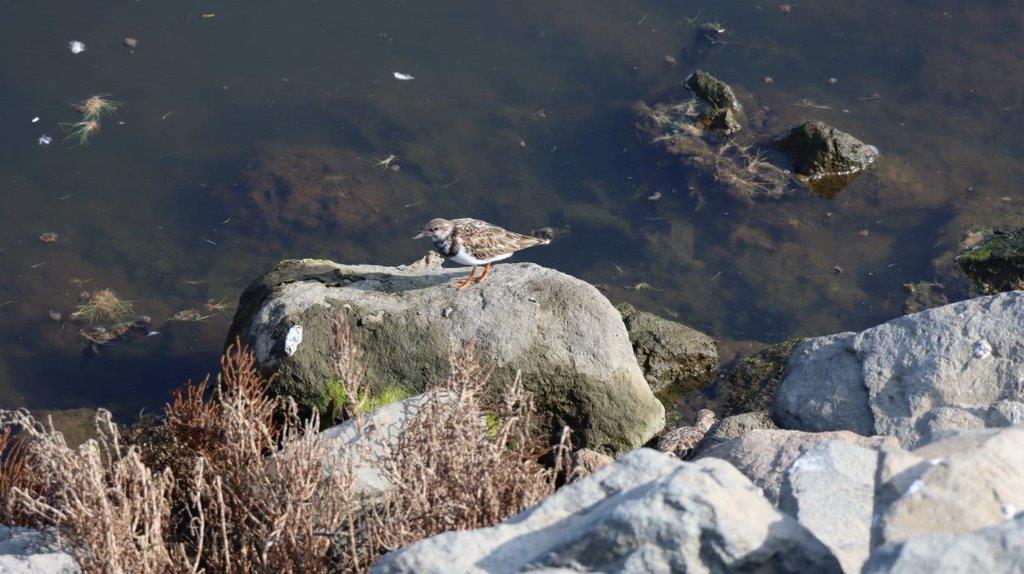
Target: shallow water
column 181, row 197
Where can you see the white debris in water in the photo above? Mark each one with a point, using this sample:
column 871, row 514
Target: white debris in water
column 35, row 120
column 292, row 339
column 915, row 487
column 76, row 47
column 982, row 349
column 152, row 333
column 404, row 77
column 1008, row 511
column 45, row 140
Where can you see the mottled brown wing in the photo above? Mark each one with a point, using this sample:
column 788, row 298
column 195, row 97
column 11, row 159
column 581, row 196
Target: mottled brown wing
column 484, row 240
column 681, row 441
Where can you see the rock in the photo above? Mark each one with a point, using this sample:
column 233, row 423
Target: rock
column 561, row 333
column 750, row 382
column 647, row 512
column 669, row 353
column 917, row 378
column 830, row 490
column 381, row 430
column 996, row 261
column 734, row 427
column 820, row 150
column 432, row 260
column 27, row 551
column 130, row 42
column 719, row 109
column 924, row 295
column 764, row 456
column 957, row 485
column 995, row 550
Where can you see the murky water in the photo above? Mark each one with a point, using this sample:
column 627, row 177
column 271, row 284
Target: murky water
column 249, row 134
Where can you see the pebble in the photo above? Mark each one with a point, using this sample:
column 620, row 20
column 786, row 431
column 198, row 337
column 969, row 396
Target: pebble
column 671, row 60
column 395, row 167
column 833, row 81
column 49, row 237
column 56, row 316
column 522, row 143
column 863, row 233
column 654, row 196
column 130, row 42
column 769, row 80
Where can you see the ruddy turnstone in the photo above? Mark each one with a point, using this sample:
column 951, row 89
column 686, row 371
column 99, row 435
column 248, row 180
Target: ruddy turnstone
column 473, row 242
column 683, row 440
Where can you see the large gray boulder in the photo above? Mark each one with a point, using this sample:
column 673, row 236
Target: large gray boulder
column 647, row 512
column 830, row 489
column 820, row 150
column 919, row 378
column 561, row 333
column 994, row 550
column 764, row 456
column 27, row 551
column 957, row 485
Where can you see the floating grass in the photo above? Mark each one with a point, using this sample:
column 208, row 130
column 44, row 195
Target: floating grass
column 96, row 107
column 81, row 132
column 103, row 305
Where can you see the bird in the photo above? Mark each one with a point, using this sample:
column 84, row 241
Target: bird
column 682, row 441
column 469, row 241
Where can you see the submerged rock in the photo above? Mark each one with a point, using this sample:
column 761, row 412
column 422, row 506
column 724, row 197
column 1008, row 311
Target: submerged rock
column 563, row 335
column 917, row 378
column 995, row 261
column 646, row 512
column 924, row 295
column 820, row 150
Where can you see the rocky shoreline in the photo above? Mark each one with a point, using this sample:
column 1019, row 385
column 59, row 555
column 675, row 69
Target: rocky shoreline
column 896, row 449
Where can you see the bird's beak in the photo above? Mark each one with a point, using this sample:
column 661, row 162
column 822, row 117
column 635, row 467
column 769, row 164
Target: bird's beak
column 421, row 235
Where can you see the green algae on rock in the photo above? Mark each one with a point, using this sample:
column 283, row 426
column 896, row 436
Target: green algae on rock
column 719, row 109
column 995, row 260
column 750, row 382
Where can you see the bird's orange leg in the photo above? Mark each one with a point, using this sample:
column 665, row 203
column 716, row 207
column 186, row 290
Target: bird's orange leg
column 487, row 271
column 468, row 280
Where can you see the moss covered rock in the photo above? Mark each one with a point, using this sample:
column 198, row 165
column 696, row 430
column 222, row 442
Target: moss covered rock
column 719, row 110
column 995, row 260
column 561, row 333
column 820, row 150
column 749, row 383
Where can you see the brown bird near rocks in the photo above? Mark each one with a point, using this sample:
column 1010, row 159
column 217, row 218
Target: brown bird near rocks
column 683, row 440
column 473, row 242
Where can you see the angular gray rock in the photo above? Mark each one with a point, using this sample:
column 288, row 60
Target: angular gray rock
column 764, row 456
column 647, row 512
column 561, row 333
column 830, row 489
column 957, row 485
column 918, row 377
column 994, row 550
column 820, row 150
column 364, row 446
column 27, row 551
column 669, row 353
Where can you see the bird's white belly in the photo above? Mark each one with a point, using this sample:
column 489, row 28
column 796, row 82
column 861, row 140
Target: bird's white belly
column 463, row 258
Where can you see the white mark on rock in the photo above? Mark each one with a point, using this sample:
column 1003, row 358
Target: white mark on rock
column 292, row 339
column 446, row 312
column 1008, row 511
column 935, row 461
column 982, row 349
column 915, row 487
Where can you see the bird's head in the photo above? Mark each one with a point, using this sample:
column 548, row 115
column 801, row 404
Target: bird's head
column 705, row 418
column 437, row 230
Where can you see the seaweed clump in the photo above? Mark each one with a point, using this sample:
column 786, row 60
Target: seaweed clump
column 102, row 305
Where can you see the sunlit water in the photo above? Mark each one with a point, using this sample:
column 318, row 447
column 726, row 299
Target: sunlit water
column 519, row 113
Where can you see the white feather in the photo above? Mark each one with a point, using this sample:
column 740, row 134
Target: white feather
column 464, row 258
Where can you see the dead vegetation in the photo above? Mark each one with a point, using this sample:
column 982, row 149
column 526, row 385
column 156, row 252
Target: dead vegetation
column 230, row 479
column 103, row 305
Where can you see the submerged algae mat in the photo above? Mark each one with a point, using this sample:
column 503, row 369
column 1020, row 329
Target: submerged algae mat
column 255, row 135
